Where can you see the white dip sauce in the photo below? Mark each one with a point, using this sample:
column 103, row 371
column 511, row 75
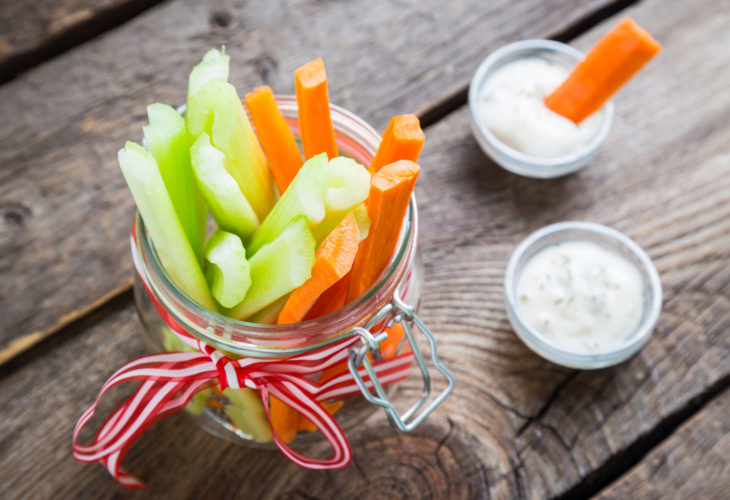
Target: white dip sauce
column 512, row 108
column 580, row 295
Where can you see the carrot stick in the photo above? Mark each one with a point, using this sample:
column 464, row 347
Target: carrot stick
column 306, row 425
column 284, row 419
column 332, row 299
column 315, row 122
column 612, row 61
column 389, row 346
column 276, row 139
column 333, row 260
column 390, row 191
column 402, row 140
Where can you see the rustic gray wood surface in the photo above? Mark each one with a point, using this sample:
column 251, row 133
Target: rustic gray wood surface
column 516, row 425
column 66, row 210
column 31, row 32
column 694, row 462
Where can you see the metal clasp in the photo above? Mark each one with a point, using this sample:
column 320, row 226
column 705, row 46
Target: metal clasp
column 399, row 312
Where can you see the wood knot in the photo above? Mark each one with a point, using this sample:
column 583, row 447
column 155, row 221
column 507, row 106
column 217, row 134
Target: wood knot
column 221, row 18
column 265, row 65
column 14, row 216
column 434, row 461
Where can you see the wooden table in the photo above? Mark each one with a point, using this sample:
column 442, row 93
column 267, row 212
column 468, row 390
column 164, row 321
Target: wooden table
column 77, row 77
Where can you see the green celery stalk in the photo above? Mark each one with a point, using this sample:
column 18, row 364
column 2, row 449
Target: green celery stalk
column 228, row 270
column 166, row 138
column 348, row 185
column 214, row 66
column 248, row 414
column 172, row 343
column 278, row 268
column 324, row 192
column 148, row 189
column 229, row 207
column 269, row 314
column 217, row 111
column 362, row 219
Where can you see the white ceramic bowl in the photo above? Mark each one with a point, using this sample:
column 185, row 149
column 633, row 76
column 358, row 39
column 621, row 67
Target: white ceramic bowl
column 607, row 237
column 511, row 159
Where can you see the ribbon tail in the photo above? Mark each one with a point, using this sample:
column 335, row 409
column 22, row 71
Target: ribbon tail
column 152, row 401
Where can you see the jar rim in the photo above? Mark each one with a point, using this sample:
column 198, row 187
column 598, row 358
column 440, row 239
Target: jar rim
column 283, row 340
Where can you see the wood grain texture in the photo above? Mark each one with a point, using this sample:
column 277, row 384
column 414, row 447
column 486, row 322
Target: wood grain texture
column 33, row 31
column 516, row 425
column 694, row 462
column 64, row 208
column 179, row 460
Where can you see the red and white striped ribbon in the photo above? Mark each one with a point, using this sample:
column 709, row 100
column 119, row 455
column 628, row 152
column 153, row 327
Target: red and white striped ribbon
column 169, row 381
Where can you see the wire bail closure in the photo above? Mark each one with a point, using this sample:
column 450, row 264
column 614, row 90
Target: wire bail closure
column 397, row 311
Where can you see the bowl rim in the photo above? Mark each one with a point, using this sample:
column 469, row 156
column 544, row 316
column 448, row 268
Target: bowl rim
column 552, row 351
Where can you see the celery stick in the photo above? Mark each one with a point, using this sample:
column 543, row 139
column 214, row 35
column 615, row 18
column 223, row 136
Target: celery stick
column 269, row 314
column 248, row 414
column 198, row 402
column 278, row 268
column 214, row 66
column 229, row 207
column 362, row 219
column 171, row 342
column 324, row 192
column 217, row 110
column 166, row 138
column 304, row 196
column 148, row 189
column 228, row 270
column 348, row 185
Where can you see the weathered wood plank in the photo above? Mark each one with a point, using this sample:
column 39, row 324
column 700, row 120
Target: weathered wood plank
column 516, row 425
column 31, row 32
column 65, row 209
column 694, row 462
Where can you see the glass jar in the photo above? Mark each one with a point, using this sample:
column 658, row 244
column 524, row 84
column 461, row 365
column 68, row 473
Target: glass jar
column 238, row 414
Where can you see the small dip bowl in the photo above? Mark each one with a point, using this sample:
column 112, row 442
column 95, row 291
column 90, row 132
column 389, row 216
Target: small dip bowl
column 610, row 239
column 509, row 158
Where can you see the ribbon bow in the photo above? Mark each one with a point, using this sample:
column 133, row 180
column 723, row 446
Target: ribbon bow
column 169, row 381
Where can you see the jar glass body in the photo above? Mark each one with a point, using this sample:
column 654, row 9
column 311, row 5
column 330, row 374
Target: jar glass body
column 238, row 415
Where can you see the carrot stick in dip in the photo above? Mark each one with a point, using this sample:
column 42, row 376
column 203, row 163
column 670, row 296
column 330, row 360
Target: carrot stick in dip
column 612, row 61
column 315, row 122
column 402, row 140
column 390, row 192
column 333, row 260
column 274, row 135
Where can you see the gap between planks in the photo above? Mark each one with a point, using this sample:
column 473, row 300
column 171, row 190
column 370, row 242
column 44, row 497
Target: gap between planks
column 429, row 116
column 76, row 34
column 621, row 463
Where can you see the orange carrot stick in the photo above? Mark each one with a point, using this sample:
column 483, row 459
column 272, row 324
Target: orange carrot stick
column 390, row 191
column 333, row 260
column 274, row 135
column 612, row 61
column 332, row 299
column 284, row 419
column 306, row 425
column 389, row 346
column 315, row 122
column 402, row 140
